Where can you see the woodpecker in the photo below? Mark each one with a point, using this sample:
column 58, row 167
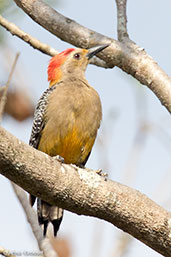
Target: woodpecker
column 66, row 119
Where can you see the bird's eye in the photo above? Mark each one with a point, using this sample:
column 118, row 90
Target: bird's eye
column 77, row 56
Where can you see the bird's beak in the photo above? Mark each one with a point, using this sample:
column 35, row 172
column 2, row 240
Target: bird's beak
column 95, row 50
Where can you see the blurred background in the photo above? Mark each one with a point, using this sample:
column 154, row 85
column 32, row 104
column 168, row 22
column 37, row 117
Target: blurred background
column 133, row 144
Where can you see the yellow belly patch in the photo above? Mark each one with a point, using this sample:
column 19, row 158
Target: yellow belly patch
column 74, row 147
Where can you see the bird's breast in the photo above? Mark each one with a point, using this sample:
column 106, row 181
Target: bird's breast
column 72, row 121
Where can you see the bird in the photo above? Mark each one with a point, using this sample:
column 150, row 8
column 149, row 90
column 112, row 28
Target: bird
column 66, row 119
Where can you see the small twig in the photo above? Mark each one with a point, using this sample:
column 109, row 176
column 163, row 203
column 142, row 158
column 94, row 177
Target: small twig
column 44, row 243
column 16, row 31
column 5, row 252
column 5, row 88
column 122, row 19
column 36, row 44
column 98, row 62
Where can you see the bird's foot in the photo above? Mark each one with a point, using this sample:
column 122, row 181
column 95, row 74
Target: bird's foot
column 102, row 174
column 59, row 158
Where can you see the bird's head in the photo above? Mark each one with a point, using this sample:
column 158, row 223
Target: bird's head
column 71, row 61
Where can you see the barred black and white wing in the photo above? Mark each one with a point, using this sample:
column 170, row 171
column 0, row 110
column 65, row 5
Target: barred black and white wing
column 38, row 121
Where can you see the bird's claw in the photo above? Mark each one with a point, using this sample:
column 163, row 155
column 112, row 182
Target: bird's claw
column 102, row 174
column 59, row 158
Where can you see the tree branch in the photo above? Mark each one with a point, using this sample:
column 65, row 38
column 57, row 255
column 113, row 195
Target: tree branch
column 84, row 192
column 122, row 19
column 5, row 88
column 129, row 57
column 36, row 44
column 14, row 30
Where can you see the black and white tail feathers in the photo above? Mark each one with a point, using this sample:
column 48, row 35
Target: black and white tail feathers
column 47, row 213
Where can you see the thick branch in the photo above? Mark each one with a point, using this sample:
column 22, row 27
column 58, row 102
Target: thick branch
column 85, row 193
column 122, row 19
column 130, row 58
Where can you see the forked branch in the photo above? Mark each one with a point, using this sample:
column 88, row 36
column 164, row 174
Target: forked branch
column 129, row 57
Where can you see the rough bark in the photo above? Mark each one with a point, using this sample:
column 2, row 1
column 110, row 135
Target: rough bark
column 84, row 192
